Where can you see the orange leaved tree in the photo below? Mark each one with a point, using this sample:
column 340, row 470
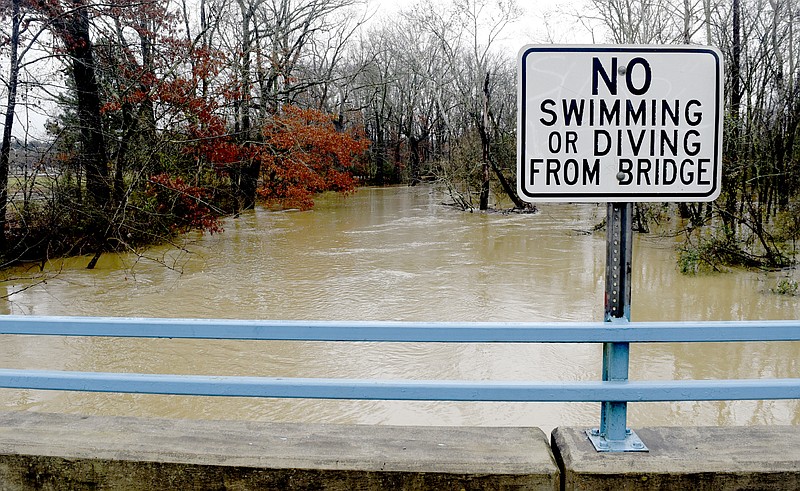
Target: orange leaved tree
column 303, row 154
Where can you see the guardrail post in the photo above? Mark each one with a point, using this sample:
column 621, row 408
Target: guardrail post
column 613, row 434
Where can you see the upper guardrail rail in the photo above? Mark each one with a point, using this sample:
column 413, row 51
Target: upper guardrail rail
column 617, row 331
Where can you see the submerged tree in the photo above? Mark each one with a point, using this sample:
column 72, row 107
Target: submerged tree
column 303, row 154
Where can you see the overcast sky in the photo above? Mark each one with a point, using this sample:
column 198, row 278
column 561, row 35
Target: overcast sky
column 544, row 21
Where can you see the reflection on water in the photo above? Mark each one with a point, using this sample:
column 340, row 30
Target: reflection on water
column 398, row 254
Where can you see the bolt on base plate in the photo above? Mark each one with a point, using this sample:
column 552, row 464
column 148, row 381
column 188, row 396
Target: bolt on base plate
column 631, row 443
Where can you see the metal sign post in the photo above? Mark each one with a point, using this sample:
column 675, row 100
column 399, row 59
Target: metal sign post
column 613, row 434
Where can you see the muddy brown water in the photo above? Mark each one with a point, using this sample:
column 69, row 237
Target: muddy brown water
column 398, row 254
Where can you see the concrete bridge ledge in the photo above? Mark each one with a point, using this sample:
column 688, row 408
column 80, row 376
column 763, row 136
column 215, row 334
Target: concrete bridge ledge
column 40, row 451
column 696, row 458
column 60, row 451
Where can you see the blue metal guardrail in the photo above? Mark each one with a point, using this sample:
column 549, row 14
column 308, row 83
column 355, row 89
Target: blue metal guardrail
column 616, row 391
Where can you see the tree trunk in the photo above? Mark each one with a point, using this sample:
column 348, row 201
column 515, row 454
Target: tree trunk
column 5, row 148
column 380, row 153
column 731, row 183
column 707, row 16
column 415, row 163
column 518, row 203
column 94, row 155
column 249, row 173
column 249, row 184
column 483, row 129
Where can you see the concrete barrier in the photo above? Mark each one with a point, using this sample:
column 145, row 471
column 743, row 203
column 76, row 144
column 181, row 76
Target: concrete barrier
column 40, row 451
column 685, row 458
column 69, row 452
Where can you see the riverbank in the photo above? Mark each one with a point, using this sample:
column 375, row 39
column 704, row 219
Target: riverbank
column 58, row 451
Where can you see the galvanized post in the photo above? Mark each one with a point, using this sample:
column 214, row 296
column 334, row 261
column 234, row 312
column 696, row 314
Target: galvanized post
column 613, row 434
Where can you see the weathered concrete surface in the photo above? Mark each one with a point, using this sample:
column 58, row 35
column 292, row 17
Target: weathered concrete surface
column 69, row 452
column 704, row 458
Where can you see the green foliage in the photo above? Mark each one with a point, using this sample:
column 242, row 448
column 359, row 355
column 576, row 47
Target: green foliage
column 709, row 254
column 787, row 286
column 714, row 248
column 689, row 261
column 712, row 253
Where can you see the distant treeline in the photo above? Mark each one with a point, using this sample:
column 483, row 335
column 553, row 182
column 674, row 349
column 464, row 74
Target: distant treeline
column 164, row 116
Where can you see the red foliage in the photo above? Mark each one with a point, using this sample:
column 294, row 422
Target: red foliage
column 304, row 154
column 184, row 202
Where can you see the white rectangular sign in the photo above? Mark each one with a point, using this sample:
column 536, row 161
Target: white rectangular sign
column 619, row 123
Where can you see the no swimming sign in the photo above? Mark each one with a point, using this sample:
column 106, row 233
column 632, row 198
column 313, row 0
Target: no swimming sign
column 619, row 123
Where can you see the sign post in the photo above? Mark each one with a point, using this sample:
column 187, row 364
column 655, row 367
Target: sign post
column 619, row 124
column 613, row 434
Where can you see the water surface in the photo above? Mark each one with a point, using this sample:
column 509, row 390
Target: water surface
column 398, row 254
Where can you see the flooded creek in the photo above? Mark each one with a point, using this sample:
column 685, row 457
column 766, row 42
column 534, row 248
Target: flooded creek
column 398, row 254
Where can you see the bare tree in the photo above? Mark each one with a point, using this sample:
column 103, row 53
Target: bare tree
column 468, row 35
column 11, row 87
